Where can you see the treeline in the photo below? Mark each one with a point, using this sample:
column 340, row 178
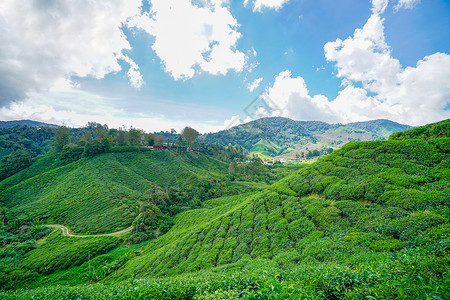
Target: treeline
column 97, row 138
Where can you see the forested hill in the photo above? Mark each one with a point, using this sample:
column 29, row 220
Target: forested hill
column 283, row 137
column 29, row 123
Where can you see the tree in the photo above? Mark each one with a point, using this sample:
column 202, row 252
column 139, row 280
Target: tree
column 101, row 132
column 150, row 139
column 159, row 197
column 190, row 135
column 121, row 137
column 62, row 135
column 149, row 218
column 134, row 137
column 97, row 146
column 159, row 140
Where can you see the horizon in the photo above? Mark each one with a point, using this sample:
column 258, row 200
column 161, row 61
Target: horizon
column 204, row 133
column 215, row 64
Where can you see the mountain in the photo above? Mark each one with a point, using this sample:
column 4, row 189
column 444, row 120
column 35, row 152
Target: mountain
column 370, row 220
column 29, row 123
column 285, row 138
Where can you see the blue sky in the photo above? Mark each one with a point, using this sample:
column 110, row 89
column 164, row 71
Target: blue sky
column 164, row 64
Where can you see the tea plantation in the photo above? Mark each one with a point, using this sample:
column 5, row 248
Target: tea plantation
column 369, row 221
column 100, row 194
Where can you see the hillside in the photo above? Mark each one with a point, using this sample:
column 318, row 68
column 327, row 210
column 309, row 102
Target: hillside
column 35, row 140
column 285, row 138
column 370, row 220
column 366, row 199
column 101, row 194
column 29, row 123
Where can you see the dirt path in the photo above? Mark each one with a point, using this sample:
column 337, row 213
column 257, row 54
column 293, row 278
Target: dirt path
column 66, row 232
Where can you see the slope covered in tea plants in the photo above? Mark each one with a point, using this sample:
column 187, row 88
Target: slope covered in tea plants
column 364, row 205
column 101, row 194
column 370, row 220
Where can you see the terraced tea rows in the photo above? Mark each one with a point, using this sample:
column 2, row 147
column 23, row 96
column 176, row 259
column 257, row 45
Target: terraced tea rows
column 101, row 194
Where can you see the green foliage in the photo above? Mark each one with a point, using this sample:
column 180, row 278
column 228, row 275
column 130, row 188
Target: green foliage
column 225, row 153
column 189, row 135
column 435, row 130
column 103, row 193
column 13, row 163
column 370, row 220
column 72, row 152
column 62, row 135
column 135, row 137
column 35, row 141
column 26, row 261
column 270, row 137
column 97, row 146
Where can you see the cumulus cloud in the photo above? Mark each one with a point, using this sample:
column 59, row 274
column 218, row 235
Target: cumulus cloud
column 365, row 57
column 290, row 95
column 254, row 85
column 190, row 38
column 44, row 41
column 260, row 5
column 375, row 84
column 233, row 121
column 135, row 77
column 91, row 107
column 379, row 6
column 407, row 4
column 412, row 95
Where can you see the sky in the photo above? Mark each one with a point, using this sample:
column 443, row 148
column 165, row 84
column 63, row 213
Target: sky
column 214, row 64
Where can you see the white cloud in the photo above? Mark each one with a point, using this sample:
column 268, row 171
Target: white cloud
column 365, row 57
column 134, row 76
column 379, row 6
column 76, row 108
column 260, row 5
column 375, row 84
column 233, row 121
column 407, row 4
column 412, row 95
column 420, row 97
column 255, row 84
column 191, row 38
column 291, row 96
column 44, row 41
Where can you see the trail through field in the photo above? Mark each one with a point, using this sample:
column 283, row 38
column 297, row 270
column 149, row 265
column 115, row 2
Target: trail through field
column 66, row 232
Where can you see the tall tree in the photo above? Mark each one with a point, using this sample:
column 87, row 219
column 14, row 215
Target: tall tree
column 135, row 137
column 190, row 135
column 62, row 135
column 121, row 137
column 150, row 139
